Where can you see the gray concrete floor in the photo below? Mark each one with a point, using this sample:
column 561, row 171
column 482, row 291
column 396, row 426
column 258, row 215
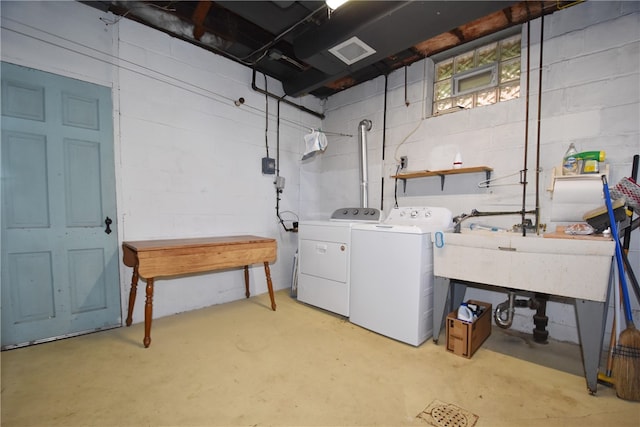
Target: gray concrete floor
column 241, row 364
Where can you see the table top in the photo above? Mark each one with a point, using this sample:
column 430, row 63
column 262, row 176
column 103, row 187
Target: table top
column 153, row 245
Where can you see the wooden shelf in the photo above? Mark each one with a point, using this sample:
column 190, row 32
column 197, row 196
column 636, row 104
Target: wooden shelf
column 422, row 174
column 442, row 173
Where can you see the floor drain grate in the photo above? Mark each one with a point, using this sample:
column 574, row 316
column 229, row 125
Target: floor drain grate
column 440, row 414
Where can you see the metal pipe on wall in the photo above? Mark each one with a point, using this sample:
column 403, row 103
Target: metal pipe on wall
column 538, row 128
column 281, row 98
column 364, row 126
column 523, row 180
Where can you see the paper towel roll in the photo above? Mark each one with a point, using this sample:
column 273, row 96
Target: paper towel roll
column 573, row 197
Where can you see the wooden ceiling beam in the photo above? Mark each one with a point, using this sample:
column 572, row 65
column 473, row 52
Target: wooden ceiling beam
column 516, row 14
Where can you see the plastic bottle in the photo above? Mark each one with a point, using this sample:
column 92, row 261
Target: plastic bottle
column 570, row 162
column 457, row 161
column 590, row 161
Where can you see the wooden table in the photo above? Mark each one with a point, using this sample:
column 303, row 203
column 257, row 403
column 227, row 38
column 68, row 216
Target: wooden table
column 151, row 259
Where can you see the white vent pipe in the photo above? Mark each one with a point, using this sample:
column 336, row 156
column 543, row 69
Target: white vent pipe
column 363, row 128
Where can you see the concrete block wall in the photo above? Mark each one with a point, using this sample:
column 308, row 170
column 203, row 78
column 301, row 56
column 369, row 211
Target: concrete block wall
column 188, row 160
column 590, row 96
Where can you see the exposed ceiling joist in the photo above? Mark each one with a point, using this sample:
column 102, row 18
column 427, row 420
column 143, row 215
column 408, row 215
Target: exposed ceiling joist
column 292, row 41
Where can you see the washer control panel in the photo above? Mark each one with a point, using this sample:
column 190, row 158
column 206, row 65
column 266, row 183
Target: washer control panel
column 357, row 215
column 419, row 216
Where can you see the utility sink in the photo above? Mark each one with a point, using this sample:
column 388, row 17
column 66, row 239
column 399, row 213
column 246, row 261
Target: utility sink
column 565, row 267
column 568, row 267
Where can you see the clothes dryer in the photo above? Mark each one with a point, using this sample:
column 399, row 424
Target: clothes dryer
column 324, row 250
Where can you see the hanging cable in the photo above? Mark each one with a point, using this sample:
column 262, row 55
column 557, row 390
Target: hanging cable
column 278, row 139
column 384, row 137
column 406, row 96
column 279, row 182
column 278, row 38
column 266, row 116
column 424, row 113
column 395, row 190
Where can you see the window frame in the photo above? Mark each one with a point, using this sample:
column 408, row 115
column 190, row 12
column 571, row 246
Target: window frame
column 455, row 92
column 502, row 57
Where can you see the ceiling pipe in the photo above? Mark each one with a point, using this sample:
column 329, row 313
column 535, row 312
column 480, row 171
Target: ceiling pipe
column 281, row 98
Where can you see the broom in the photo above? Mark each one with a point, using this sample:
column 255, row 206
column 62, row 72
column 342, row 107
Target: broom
column 626, row 360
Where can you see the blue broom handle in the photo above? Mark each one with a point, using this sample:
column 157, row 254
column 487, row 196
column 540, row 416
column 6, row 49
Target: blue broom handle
column 614, row 233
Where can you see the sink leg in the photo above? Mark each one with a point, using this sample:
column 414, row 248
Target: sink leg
column 440, row 294
column 444, row 289
column 459, row 289
column 591, row 321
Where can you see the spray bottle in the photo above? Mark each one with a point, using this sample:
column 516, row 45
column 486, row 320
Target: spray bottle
column 590, row 161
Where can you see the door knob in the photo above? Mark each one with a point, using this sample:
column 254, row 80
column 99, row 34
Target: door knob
column 108, row 222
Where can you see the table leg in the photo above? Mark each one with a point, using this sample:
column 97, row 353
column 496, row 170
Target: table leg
column 148, row 310
column 267, row 272
column 246, row 281
column 132, row 295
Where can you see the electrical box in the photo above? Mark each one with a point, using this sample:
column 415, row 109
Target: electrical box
column 268, row 166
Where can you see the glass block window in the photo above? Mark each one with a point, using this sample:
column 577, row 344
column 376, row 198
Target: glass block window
column 481, row 76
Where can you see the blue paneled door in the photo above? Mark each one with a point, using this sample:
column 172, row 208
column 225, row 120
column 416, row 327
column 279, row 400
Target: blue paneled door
column 59, row 260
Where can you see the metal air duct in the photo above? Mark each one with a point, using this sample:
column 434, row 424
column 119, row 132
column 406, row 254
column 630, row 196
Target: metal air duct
column 363, row 128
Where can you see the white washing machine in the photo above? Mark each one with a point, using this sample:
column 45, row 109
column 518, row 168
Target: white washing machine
column 391, row 290
column 324, row 249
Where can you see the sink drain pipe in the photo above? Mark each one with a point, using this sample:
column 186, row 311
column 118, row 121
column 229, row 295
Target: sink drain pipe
column 506, row 310
column 540, row 319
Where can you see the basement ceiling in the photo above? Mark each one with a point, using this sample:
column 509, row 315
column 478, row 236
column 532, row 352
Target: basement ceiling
column 313, row 50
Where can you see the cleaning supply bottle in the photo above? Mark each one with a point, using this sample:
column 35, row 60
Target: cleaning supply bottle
column 570, row 162
column 457, row 161
column 590, row 161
